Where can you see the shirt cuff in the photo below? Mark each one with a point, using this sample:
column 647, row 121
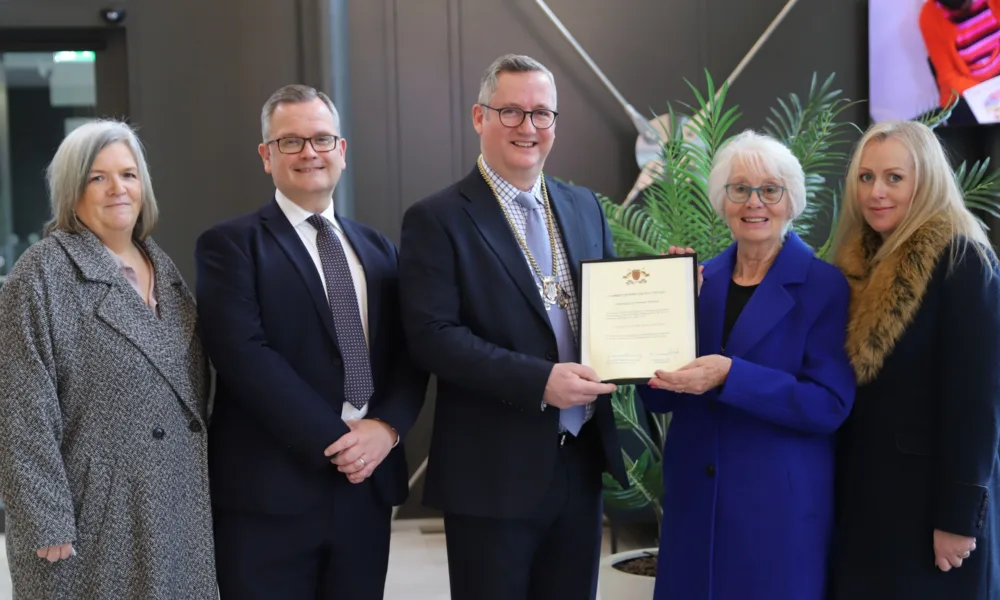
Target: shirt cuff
column 396, row 443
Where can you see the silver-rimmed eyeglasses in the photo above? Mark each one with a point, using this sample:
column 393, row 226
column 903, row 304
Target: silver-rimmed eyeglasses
column 769, row 193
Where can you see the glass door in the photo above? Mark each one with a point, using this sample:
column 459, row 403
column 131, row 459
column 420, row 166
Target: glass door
column 43, row 96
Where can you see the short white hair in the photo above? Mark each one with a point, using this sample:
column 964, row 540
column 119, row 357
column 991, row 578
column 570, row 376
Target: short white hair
column 765, row 157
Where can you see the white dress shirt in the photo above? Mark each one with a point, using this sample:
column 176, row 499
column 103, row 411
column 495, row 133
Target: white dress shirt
column 298, row 216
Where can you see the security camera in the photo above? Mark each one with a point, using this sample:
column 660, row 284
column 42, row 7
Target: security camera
column 113, row 16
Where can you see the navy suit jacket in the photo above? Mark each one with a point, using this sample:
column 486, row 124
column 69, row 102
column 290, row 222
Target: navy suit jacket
column 474, row 317
column 268, row 329
column 748, row 468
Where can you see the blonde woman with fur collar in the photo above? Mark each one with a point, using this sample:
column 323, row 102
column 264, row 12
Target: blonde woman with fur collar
column 918, row 467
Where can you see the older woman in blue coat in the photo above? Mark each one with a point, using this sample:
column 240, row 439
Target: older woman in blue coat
column 748, row 463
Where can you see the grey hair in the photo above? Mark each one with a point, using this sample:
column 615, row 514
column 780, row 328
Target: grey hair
column 764, row 156
column 510, row 63
column 293, row 94
column 68, row 175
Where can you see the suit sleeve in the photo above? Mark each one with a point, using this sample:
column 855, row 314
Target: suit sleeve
column 440, row 343
column 608, row 239
column 407, row 383
column 33, row 482
column 231, row 329
column 607, row 251
column 819, row 397
column 969, row 411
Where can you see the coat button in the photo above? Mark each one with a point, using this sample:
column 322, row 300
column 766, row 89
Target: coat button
column 710, row 470
column 553, row 356
column 158, row 433
column 194, row 426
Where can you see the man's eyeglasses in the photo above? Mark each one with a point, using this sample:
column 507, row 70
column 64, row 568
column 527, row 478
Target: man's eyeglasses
column 510, row 116
column 294, row 145
column 741, row 192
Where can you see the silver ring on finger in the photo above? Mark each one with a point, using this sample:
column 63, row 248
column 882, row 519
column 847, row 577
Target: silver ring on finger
column 964, row 555
column 362, row 461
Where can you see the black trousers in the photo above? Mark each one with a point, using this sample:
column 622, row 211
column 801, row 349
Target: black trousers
column 551, row 554
column 336, row 552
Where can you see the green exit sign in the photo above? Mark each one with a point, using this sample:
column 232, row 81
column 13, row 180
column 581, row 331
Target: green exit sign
column 80, row 56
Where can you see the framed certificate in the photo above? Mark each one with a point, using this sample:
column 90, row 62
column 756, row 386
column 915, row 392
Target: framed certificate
column 638, row 315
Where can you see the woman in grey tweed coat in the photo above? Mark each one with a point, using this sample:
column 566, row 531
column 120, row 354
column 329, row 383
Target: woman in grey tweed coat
column 103, row 394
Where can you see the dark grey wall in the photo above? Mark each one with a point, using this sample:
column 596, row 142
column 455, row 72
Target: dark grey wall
column 198, row 71
column 415, row 70
column 197, row 74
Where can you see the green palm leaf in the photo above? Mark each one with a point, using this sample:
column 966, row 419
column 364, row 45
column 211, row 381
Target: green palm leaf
column 622, row 499
column 980, row 189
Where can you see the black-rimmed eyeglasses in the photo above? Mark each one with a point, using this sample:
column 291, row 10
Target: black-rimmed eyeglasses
column 741, row 192
column 510, row 116
column 294, row 145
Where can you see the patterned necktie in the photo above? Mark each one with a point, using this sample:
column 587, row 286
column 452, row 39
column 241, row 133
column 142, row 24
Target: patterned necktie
column 343, row 300
column 536, row 234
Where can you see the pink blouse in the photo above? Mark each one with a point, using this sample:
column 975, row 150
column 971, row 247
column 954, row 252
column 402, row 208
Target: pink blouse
column 130, row 275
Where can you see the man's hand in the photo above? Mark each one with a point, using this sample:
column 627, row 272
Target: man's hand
column 951, row 549
column 56, row 553
column 697, row 377
column 358, row 452
column 572, row 384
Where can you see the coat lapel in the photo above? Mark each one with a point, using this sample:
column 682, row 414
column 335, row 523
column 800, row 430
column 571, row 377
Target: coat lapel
column 275, row 222
column 771, row 301
column 370, row 258
column 125, row 312
column 569, row 225
column 488, row 217
column 712, row 301
column 886, row 293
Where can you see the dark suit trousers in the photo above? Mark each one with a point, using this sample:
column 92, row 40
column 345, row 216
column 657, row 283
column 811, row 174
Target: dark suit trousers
column 552, row 553
column 336, row 552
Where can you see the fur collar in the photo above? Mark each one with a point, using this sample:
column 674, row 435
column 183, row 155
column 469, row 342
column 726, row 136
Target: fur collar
column 885, row 295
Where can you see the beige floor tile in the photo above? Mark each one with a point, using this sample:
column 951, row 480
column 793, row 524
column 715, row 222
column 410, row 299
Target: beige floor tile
column 418, row 563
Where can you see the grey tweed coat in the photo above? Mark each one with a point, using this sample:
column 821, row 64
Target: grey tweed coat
column 102, row 429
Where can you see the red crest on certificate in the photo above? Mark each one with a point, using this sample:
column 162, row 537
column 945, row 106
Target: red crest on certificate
column 635, row 276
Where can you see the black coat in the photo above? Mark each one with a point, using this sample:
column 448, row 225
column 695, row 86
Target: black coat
column 919, row 451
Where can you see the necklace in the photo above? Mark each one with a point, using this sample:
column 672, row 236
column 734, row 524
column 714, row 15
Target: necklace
column 552, row 293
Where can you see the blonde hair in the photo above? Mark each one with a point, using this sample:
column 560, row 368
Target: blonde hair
column 936, row 194
column 68, row 174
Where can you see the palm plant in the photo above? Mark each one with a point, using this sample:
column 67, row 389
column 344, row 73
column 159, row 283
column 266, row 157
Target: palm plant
column 675, row 210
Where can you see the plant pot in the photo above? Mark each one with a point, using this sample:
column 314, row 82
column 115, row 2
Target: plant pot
column 613, row 584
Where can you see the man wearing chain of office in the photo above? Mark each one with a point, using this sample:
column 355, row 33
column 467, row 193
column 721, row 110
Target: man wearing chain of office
column 489, row 282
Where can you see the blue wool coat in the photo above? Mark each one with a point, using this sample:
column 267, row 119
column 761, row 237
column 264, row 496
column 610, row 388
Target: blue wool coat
column 748, row 467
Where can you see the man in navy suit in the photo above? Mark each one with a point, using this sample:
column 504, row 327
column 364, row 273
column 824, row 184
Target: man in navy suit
column 489, row 278
column 299, row 311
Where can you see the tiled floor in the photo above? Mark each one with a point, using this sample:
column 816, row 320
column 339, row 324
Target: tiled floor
column 418, row 566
